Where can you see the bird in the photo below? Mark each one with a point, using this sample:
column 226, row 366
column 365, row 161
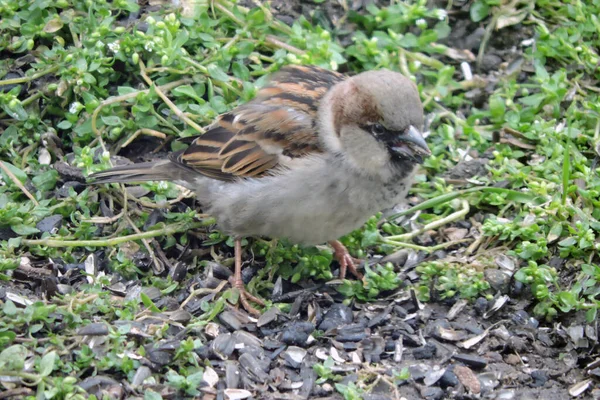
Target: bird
column 310, row 158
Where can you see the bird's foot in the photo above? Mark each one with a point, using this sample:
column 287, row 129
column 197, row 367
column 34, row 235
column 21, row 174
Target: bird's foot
column 246, row 297
column 346, row 261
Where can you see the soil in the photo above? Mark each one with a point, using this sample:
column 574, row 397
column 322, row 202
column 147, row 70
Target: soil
column 494, row 349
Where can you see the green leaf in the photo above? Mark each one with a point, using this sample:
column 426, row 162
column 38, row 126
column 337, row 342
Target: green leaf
column 566, row 301
column 13, row 358
column 148, row 303
column 195, row 379
column 46, row 180
column 568, row 242
column 9, row 308
column 22, row 176
column 151, row 395
column 54, row 25
column 64, row 125
column 15, row 110
column 534, row 100
column 187, row 90
column 24, row 230
column 497, row 107
column 217, row 73
column 555, row 232
column 479, row 10
column 121, row 90
column 10, row 135
column 181, row 38
column 590, row 315
column 6, row 338
column 240, row 71
column 112, row 120
column 81, row 64
column 47, row 363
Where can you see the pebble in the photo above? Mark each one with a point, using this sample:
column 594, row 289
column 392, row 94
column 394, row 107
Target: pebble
column 471, row 361
column 424, row 353
column 468, row 379
column 432, row 393
column 539, row 378
column 448, row 379
column 50, row 224
column 338, row 315
column 230, row 321
column 297, row 333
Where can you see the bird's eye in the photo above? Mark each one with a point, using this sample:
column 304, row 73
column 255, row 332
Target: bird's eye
column 377, row 129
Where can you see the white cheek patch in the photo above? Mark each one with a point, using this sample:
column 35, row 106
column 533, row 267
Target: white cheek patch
column 328, row 137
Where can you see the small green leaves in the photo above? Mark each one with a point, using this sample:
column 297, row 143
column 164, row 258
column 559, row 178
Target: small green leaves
column 13, row 358
column 381, row 278
column 479, row 10
column 450, row 280
column 217, row 73
column 47, row 363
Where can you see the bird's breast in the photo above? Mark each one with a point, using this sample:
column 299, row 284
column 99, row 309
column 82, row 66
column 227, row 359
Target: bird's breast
column 314, row 202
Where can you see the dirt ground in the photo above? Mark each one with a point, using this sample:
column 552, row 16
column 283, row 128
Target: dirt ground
column 492, row 348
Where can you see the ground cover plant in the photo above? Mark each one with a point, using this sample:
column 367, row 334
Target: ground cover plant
column 119, row 291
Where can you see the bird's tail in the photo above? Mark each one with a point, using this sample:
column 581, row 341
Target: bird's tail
column 163, row 170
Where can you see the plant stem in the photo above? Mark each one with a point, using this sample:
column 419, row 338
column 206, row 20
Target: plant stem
column 108, row 242
column 26, row 79
column 435, row 224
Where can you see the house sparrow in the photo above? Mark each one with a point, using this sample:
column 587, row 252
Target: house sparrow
column 310, row 159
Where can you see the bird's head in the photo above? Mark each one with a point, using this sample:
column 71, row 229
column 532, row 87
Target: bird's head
column 374, row 120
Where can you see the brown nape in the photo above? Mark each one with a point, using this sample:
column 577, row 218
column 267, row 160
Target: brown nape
column 353, row 106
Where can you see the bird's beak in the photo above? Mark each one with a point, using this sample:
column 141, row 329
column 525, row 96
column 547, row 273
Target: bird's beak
column 414, row 137
column 411, row 145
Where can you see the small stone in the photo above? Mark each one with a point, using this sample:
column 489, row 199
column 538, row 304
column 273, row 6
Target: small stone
column 351, row 333
column 434, row 376
column 424, row 353
column 223, row 346
column 448, row 379
column 268, row 316
column 152, row 292
column 236, row 394
column 160, row 357
column 498, row 280
column 230, row 321
column 539, row 378
column 418, row 371
column 294, row 356
column 472, row 361
column 337, row 315
column 93, row 329
column 232, row 374
column 99, row 384
column 297, row 333
column 178, row 272
column 432, row 393
column 210, row 377
column 254, row 367
column 490, row 62
column 141, row 375
column 468, row 379
column 50, row 224
column 481, row 305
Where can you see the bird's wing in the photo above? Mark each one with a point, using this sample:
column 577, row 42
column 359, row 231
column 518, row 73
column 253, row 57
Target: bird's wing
column 281, row 121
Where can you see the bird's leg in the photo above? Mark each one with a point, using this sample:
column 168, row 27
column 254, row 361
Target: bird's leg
column 346, row 261
column 238, row 283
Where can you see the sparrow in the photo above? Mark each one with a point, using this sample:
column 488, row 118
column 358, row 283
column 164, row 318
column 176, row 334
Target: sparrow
column 309, row 159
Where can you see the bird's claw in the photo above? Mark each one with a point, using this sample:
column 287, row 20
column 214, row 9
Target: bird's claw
column 346, row 261
column 246, row 297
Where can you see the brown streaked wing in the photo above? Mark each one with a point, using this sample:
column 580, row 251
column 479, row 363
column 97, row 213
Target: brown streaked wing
column 280, row 120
